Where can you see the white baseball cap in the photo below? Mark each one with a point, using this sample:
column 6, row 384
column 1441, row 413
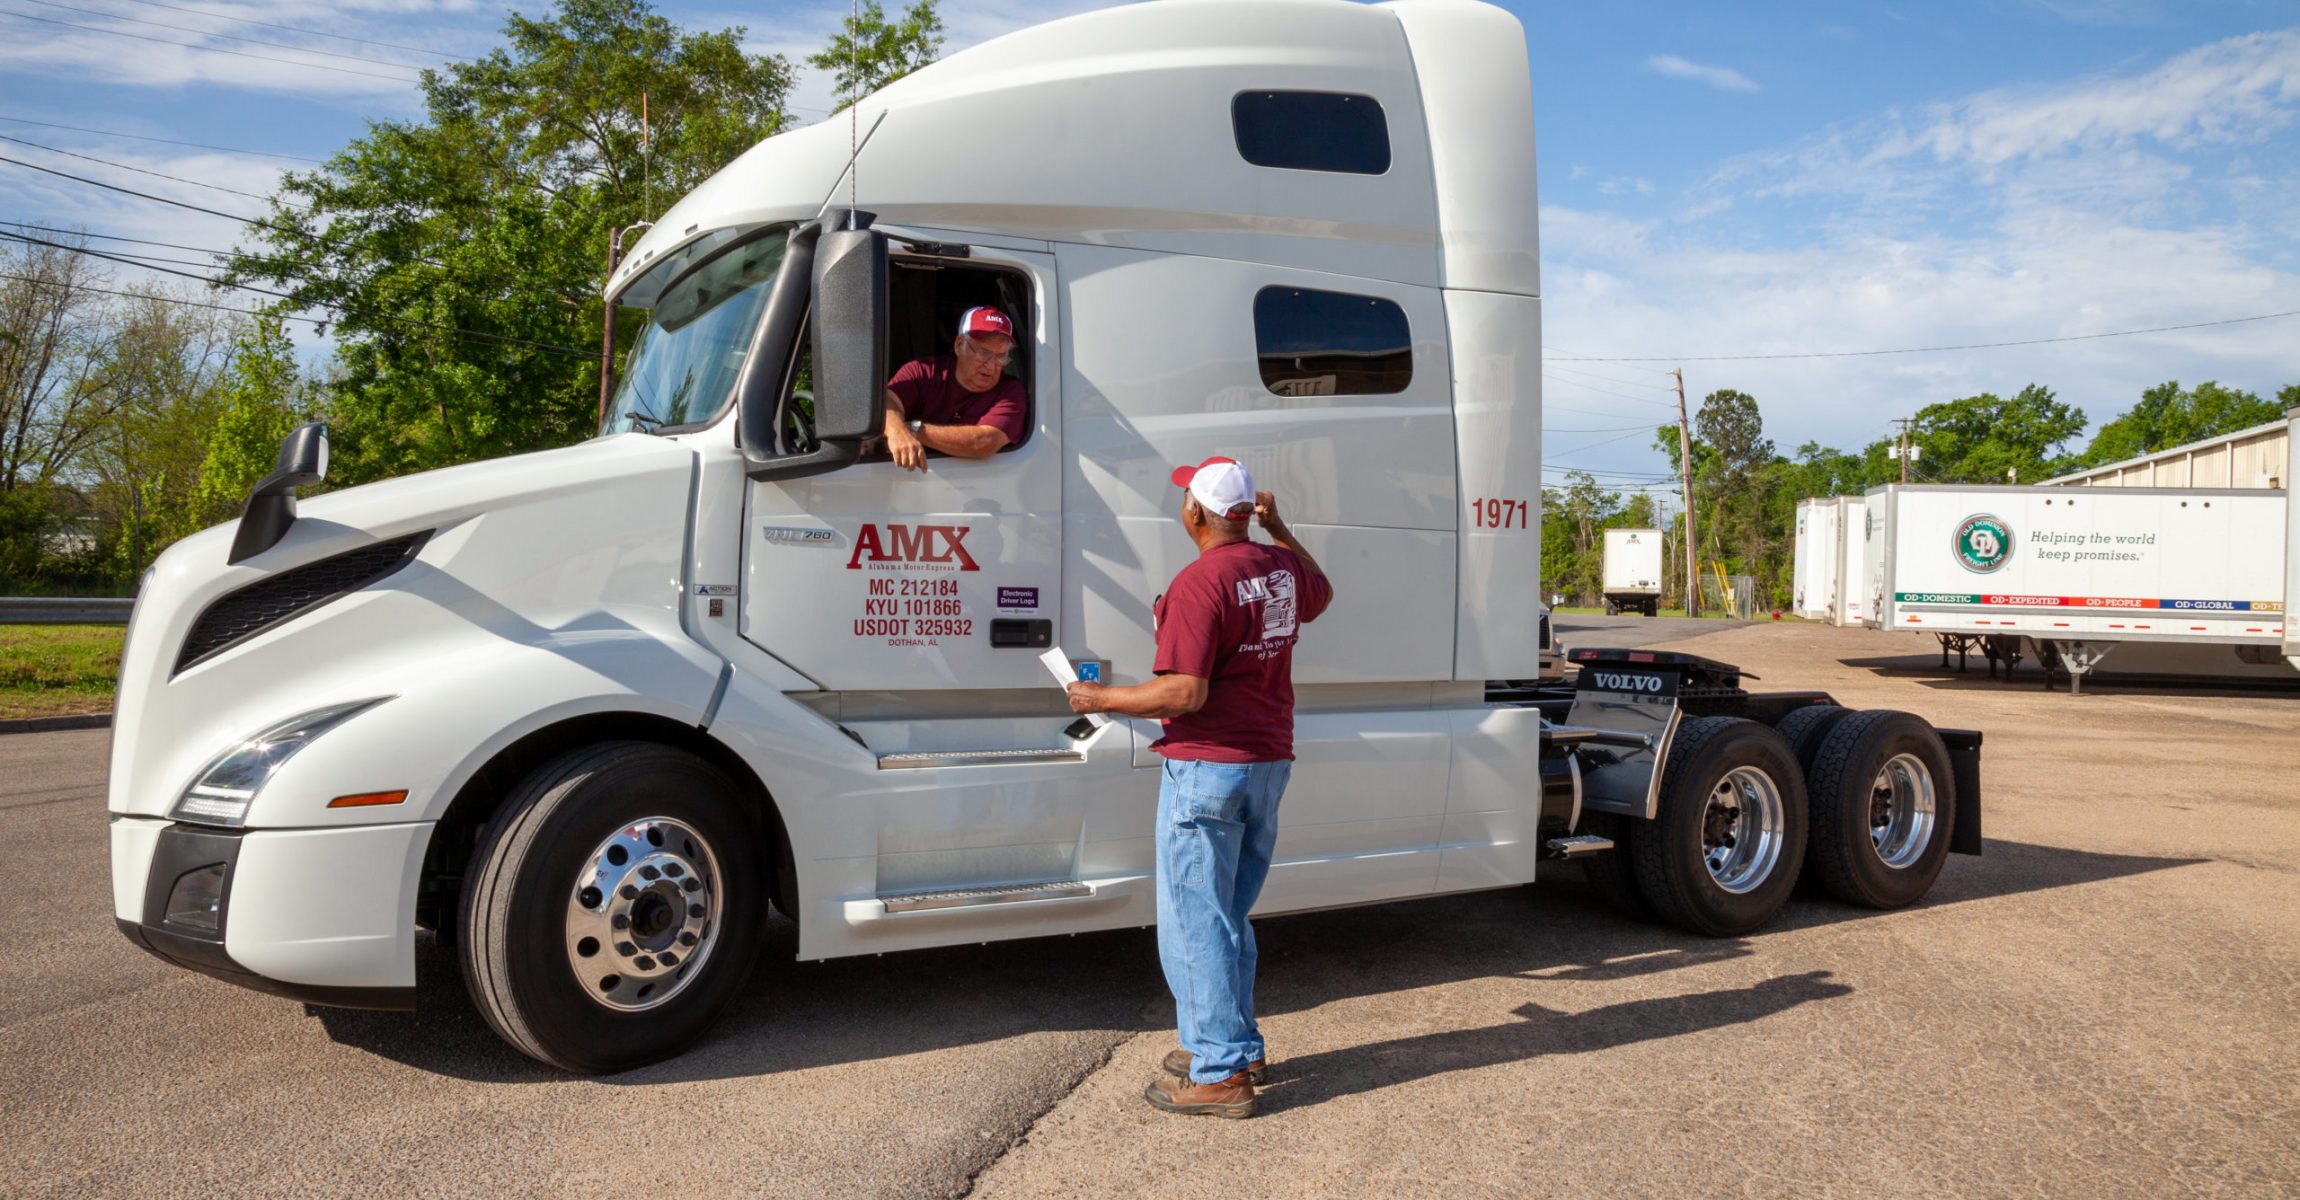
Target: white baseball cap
column 1222, row 486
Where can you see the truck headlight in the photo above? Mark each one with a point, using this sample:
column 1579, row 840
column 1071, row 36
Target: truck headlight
column 229, row 783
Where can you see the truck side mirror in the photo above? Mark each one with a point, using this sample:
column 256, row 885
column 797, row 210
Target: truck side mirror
column 835, row 280
column 271, row 504
column 849, row 324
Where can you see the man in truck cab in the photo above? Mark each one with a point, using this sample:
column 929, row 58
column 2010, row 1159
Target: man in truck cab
column 960, row 403
column 1223, row 688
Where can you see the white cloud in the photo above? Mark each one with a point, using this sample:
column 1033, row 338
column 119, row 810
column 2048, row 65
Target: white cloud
column 1725, row 78
column 2158, row 196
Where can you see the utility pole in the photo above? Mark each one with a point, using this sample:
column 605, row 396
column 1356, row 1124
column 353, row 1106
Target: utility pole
column 1685, row 478
column 1901, row 449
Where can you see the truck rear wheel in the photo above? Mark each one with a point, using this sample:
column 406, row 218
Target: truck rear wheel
column 614, row 907
column 1730, row 838
column 1805, row 728
column 1884, row 797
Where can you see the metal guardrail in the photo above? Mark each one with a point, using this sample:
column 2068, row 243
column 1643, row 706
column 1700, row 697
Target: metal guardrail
column 64, row 610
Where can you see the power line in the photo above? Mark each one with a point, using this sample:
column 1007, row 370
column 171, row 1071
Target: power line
column 1573, row 356
column 335, row 308
column 21, row 16
column 113, row 237
column 1614, row 429
column 1607, row 442
column 229, row 37
column 1609, row 391
column 341, row 37
column 213, row 187
column 163, row 141
column 2081, row 337
column 1659, row 387
column 254, row 221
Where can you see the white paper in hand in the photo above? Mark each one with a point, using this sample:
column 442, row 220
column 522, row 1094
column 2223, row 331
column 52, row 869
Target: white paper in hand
column 1064, row 675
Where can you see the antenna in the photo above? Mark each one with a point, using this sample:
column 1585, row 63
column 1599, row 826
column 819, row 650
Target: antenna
column 854, row 109
column 646, row 160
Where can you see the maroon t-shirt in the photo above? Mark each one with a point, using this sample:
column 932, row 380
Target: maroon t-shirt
column 1232, row 618
column 930, row 392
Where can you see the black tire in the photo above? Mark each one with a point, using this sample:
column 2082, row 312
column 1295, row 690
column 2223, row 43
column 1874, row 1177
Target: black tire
column 523, row 883
column 1851, row 762
column 1612, row 609
column 1610, row 874
column 1805, row 728
column 1670, row 855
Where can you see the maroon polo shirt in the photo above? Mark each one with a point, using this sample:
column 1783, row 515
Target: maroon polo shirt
column 930, row 392
column 1232, row 618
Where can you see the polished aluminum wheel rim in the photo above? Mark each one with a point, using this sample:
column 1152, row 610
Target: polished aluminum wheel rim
column 644, row 914
column 1741, row 829
column 1901, row 810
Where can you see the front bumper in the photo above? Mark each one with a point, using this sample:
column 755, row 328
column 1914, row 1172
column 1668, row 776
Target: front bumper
column 320, row 915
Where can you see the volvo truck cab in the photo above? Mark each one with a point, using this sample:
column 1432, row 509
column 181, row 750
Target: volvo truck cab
column 588, row 715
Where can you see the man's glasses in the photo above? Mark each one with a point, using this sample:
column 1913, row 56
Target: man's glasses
column 981, row 353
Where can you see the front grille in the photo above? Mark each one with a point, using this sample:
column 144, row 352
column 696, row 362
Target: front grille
column 235, row 617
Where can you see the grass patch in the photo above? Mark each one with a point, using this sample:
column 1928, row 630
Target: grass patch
column 54, row 670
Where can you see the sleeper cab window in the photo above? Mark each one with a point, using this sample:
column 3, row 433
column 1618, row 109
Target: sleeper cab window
column 1314, row 343
column 1312, row 131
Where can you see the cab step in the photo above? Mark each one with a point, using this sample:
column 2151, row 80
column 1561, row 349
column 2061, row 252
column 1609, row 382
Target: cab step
column 1021, row 893
column 1576, row 846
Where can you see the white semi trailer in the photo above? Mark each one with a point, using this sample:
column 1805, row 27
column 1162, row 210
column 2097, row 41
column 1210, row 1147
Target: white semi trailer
column 588, row 714
column 1829, row 562
column 1631, row 574
column 2169, row 578
column 1850, row 604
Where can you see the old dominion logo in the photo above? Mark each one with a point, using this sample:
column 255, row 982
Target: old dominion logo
column 1984, row 543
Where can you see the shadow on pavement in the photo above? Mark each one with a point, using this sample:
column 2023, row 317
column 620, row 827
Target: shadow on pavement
column 1316, row 1078
column 799, row 1015
column 1926, row 671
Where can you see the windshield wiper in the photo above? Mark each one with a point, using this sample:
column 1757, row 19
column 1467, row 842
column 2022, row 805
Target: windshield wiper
column 645, row 423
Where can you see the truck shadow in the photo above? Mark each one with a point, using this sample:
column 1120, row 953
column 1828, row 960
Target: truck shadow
column 798, row 1016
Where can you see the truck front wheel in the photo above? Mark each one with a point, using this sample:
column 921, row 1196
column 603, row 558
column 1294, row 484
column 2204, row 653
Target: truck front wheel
column 614, row 907
column 1884, row 798
column 1730, row 838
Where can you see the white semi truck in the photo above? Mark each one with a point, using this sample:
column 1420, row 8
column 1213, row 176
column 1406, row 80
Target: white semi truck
column 2188, row 580
column 1632, row 571
column 587, row 715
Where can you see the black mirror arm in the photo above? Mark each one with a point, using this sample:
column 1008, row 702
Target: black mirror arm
column 271, row 503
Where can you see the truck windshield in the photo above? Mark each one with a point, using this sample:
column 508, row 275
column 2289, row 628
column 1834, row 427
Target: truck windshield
column 683, row 368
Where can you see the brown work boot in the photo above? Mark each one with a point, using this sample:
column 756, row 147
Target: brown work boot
column 1177, row 1063
column 1233, row 1097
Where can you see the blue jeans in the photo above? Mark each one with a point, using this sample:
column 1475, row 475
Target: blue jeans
column 1217, row 824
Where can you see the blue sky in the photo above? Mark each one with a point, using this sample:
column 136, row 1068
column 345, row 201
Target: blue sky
column 1785, row 178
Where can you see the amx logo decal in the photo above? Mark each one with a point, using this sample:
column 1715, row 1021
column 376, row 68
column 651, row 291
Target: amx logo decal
column 913, row 544
column 1984, row 543
column 1628, row 683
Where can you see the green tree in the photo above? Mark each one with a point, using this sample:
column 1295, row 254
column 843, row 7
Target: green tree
column 2169, row 415
column 870, row 52
column 1729, row 487
column 461, row 253
column 1982, row 439
column 264, row 395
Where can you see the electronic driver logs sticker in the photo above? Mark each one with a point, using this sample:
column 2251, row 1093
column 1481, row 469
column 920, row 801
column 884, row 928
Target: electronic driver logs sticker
column 1018, row 601
column 1984, row 543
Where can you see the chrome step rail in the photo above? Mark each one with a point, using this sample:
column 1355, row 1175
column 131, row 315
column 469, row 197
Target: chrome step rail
column 1576, row 846
column 911, row 760
column 1020, row 893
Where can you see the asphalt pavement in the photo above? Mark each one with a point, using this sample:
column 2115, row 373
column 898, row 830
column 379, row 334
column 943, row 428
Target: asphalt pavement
column 2100, row 1006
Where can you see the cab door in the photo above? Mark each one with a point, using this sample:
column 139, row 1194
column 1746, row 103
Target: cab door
column 877, row 578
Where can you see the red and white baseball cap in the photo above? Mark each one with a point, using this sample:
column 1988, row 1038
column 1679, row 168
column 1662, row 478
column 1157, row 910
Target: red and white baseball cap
column 1223, row 487
column 977, row 322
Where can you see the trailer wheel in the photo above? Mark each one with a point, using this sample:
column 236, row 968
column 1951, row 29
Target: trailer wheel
column 614, row 907
column 1884, row 798
column 1610, row 874
column 1805, row 728
column 1730, row 838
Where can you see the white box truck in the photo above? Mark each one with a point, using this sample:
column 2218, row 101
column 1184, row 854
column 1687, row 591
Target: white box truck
column 1632, row 571
column 589, row 714
column 2073, row 573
